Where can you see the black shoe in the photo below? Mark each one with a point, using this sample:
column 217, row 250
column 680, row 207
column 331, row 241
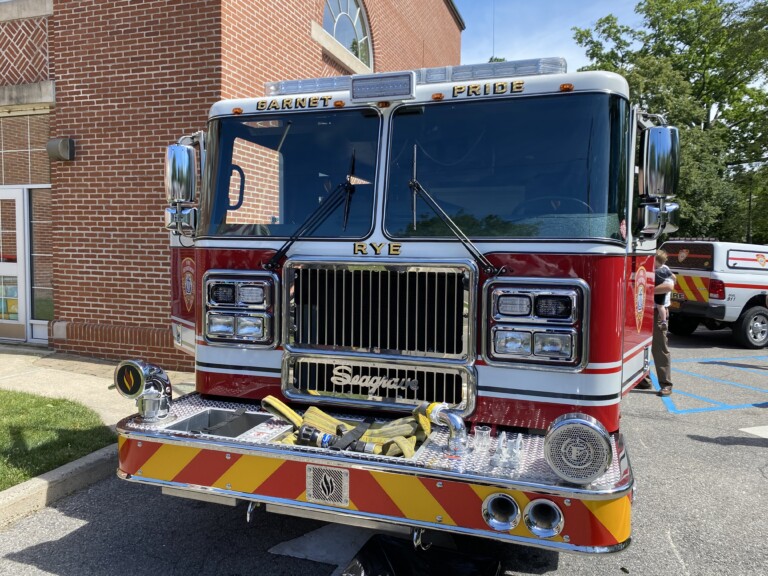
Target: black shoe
column 665, row 391
column 644, row 385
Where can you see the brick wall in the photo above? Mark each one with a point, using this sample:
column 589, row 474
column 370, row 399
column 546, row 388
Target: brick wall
column 131, row 77
column 24, row 51
column 413, row 34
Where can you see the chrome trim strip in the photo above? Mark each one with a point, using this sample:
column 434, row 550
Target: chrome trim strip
column 541, row 394
column 344, row 513
column 185, row 323
column 230, row 367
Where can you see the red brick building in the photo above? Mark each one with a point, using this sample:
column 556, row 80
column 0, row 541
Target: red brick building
column 84, row 259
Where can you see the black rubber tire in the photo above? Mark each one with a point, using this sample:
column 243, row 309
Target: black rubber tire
column 751, row 329
column 682, row 325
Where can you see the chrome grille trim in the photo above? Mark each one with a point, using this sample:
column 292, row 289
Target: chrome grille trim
column 421, row 310
column 387, row 385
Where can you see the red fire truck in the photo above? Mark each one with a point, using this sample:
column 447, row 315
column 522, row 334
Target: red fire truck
column 415, row 300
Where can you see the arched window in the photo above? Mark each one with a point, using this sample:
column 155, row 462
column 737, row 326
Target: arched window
column 346, row 21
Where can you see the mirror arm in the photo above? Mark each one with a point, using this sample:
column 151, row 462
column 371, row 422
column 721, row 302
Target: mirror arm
column 647, row 116
column 196, row 139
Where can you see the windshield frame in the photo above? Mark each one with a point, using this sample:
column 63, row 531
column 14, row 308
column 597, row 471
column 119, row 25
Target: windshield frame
column 618, row 147
column 213, row 192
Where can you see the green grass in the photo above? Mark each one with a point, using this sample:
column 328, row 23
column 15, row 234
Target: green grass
column 39, row 434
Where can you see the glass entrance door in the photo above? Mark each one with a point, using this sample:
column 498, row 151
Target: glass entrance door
column 13, row 313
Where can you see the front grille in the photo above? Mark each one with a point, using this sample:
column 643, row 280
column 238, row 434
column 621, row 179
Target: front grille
column 356, row 382
column 415, row 310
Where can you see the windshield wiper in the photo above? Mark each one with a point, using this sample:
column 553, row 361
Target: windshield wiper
column 418, row 190
column 342, row 192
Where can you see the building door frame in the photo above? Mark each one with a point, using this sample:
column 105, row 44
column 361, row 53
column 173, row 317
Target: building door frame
column 14, row 315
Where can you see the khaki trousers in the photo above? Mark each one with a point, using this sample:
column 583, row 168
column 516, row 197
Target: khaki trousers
column 660, row 350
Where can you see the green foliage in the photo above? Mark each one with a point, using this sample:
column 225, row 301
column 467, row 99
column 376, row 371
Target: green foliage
column 703, row 64
column 39, row 434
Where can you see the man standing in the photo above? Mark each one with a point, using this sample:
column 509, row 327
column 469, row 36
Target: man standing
column 660, row 346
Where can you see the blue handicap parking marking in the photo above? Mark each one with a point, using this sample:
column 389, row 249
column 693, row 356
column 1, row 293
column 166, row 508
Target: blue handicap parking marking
column 712, row 404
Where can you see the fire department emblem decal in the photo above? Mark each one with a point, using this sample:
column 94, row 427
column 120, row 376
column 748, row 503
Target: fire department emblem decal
column 641, row 286
column 188, row 282
column 761, row 259
column 683, row 254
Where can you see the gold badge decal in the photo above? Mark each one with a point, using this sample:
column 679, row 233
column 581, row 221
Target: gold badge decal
column 188, row 282
column 641, row 287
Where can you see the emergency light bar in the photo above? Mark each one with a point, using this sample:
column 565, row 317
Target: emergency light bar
column 372, row 87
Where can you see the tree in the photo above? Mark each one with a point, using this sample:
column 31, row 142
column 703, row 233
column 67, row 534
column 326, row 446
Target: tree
column 703, row 64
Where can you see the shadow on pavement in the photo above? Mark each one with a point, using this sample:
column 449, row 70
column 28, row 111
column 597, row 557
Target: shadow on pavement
column 732, row 440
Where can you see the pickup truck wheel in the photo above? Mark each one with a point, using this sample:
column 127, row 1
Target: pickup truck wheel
column 682, row 326
column 751, row 329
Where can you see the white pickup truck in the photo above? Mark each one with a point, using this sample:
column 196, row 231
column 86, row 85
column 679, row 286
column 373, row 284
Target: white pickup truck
column 720, row 284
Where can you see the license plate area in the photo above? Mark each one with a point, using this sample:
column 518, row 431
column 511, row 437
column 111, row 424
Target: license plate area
column 328, row 486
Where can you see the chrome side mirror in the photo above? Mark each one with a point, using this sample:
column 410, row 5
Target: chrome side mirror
column 660, row 218
column 180, row 173
column 661, row 161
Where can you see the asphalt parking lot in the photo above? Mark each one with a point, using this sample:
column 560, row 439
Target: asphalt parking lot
column 700, row 459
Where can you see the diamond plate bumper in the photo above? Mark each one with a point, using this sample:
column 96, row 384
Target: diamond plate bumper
column 432, row 490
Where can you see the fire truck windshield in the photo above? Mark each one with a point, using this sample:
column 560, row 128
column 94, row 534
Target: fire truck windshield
column 270, row 173
column 549, row 166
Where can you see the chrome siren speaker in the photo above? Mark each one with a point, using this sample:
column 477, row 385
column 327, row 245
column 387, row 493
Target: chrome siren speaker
column 578, row 448
column 148, row 384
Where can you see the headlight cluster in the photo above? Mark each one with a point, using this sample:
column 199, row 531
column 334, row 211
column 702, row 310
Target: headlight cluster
column 535, row 322
column 240, row 309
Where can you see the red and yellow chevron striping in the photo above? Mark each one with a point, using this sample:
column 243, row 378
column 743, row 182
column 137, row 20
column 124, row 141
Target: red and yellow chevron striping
column 394, row 495
column 695, row 288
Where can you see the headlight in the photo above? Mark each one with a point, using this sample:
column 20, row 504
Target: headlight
column 250, row 327
column 241, row 307
column 542, row 321
column 512, row 342
column 221, row 325
column 553, row 345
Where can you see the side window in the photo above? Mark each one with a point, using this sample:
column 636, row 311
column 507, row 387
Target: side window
column 346, row 21
column 254, row 185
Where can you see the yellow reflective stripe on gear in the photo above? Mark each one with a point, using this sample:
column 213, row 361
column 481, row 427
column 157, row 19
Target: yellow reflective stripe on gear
column 168, row 461
column 248, row 473
column 614, row 515
column 413, row 498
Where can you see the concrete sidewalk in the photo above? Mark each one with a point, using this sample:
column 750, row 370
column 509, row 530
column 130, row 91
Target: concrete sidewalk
column 87, row 381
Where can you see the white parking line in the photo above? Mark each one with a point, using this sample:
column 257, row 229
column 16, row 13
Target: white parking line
column 332, row 544
column 761, row 431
